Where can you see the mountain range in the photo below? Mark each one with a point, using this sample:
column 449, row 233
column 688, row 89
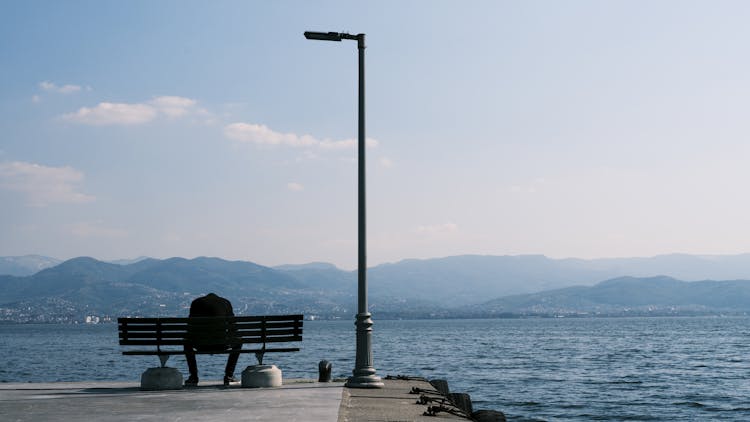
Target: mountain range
column 25, row 265
column 458, row 286
column 629, row 296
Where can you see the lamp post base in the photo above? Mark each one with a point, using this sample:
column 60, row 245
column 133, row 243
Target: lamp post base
column 363, row 375
column 365, row 381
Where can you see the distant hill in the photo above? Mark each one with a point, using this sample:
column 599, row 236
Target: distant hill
column 629, row 295
column 128, row 261
column 680, row 266
column 460, row 280
column 303, row 267
column 25, row 265
column 82, row 286
column 470, row 285
column 320, row 275
column 468, row 279
column 210, row 274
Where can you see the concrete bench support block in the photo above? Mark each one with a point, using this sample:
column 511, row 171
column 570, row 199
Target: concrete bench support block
column 161, row 378
column 261, row 376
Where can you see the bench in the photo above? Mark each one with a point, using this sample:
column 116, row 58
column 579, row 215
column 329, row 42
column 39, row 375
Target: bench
column 170, row 335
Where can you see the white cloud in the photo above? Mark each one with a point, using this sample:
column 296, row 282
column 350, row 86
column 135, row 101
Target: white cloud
column 36, row 99
column 113, row 114
column 437, row 229
column 173, row 106
column 95, row 229
column 43, row 185
column 65, row 89
column 263, row 135
column 294, row 187
column 106, row 113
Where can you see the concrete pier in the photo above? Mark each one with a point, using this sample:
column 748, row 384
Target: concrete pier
column 296, row 400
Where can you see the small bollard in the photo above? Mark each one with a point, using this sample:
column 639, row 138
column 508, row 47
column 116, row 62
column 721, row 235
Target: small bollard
column 441, row 386
column 324, row 371
column 462, row 401
column 488, row 416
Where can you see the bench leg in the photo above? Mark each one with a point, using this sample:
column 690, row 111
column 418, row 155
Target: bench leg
column 163, row 359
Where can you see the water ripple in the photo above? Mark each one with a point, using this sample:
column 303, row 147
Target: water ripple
column 646, row 369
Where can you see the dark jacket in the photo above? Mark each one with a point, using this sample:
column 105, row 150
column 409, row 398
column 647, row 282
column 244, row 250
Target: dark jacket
column 208, row 336
column 211, row 305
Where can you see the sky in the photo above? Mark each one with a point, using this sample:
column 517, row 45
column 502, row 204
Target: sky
column 183, row 128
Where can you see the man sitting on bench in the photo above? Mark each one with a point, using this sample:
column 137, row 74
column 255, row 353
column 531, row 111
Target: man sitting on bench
column 210, row 305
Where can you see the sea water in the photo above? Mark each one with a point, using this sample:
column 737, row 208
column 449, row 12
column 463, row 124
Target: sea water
column 531, row 369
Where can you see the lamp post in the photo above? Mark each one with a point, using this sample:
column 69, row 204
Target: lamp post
column 363, row 375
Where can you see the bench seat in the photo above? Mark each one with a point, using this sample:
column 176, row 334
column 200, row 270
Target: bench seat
column 170, row 335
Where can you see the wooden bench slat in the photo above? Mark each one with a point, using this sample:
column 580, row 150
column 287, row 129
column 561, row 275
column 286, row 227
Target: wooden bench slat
column 254, row 326
column 259, row 333
column 236, row 319
column 242, row 336
column 181, row 342
column 268, row 325
column 184, row 327
column 283, row 339
column 147, row 328
column 150, row 336
column 297, row 317
column 182, row 352
column 186, row 333
column 153, row 342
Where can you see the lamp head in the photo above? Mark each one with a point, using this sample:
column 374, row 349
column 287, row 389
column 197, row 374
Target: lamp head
column 323, row 36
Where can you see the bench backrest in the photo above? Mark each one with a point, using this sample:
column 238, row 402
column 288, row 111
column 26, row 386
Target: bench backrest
column 209, row 330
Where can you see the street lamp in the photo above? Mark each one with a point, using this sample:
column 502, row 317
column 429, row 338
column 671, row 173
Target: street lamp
column 363, row 375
